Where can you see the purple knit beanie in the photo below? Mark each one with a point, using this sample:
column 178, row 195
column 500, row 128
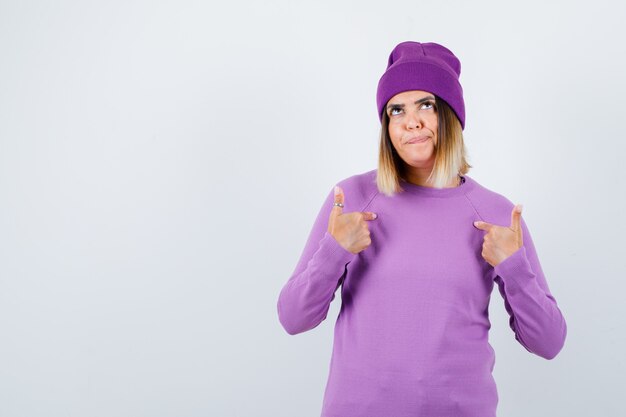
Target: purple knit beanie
column 422, row 66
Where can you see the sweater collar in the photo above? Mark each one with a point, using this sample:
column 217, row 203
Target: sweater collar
column 467, row 184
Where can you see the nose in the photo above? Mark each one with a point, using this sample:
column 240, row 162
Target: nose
column 413, row 121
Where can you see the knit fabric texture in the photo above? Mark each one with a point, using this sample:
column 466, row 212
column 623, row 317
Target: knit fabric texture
column 411, row 337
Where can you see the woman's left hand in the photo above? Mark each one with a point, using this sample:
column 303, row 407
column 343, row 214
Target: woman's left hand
column 500, row 242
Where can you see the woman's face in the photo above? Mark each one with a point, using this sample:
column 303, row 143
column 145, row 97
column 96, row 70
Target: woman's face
column 413, row 127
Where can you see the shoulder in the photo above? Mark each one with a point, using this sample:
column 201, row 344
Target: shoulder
column 491, row 206
column 359, row 190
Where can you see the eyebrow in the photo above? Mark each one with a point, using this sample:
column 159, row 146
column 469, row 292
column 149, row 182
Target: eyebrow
column 401, row 106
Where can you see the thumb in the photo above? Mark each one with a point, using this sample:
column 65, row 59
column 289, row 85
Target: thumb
column 339, row 198
column 516, row 221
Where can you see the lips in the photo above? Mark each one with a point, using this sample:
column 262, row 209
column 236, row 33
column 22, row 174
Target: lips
column 417, row 139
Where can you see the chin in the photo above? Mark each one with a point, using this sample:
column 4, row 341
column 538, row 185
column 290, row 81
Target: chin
column 419, row 161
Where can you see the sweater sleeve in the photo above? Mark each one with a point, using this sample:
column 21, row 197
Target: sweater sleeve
column 535, row 318
column 305, row 299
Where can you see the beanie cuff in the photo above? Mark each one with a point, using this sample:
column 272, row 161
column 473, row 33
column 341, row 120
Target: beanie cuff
column 421, row 75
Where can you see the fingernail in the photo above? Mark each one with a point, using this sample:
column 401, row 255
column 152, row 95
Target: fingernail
column 375, row 215
column 336, row 190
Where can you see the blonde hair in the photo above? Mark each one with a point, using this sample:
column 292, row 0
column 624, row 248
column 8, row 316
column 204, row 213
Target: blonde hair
column 450, row 153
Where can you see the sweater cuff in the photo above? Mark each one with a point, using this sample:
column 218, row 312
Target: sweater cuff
column 331, row 255
column 515, row 271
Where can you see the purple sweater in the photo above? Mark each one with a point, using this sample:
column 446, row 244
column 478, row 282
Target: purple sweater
column 411, row 338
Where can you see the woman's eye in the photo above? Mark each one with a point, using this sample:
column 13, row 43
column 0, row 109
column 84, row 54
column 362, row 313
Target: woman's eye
column 427, row 103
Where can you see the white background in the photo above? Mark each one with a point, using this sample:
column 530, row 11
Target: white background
column 162, row 162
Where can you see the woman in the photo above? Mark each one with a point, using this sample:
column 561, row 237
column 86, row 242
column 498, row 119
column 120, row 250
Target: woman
column 417, row 245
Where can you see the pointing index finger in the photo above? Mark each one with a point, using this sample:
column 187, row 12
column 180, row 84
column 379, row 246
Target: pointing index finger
column 481, row 225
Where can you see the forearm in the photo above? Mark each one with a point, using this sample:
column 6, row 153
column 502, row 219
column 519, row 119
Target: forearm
column 305, row 299
column 536, row 319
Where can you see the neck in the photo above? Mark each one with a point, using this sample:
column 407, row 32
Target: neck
column 421, row 179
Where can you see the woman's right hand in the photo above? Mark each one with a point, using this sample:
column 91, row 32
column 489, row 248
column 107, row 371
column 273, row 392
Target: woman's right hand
column 350, row 230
